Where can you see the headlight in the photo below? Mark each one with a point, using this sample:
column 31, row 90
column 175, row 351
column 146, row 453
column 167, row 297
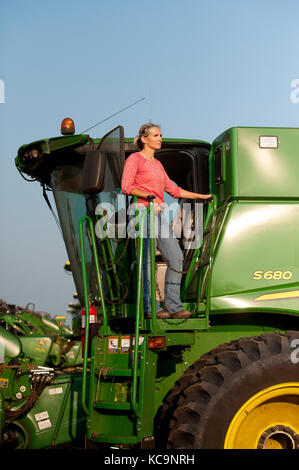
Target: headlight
column 32, row 154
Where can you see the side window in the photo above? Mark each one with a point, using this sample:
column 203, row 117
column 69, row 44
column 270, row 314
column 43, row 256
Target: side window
column 218, row 165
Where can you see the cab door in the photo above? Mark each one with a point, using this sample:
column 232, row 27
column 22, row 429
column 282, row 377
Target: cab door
column 106, row 205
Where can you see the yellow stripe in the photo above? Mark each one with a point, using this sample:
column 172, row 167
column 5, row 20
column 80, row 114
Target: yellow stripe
column 280, row 295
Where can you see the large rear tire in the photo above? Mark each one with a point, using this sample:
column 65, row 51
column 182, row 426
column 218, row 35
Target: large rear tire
column 244, row 394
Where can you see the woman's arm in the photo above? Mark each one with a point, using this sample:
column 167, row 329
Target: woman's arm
column 129, row 173
column 188, row 195
column 144, row 195
column 139, row 193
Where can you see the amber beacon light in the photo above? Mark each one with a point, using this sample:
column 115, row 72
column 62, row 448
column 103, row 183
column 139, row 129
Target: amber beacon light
column 67, row 126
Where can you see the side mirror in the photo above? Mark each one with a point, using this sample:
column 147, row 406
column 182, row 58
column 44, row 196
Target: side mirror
column 94, row 172
column 111, row 148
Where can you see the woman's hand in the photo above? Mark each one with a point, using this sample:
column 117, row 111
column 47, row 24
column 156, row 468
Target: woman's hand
column 188, row 195
column 205, row 196
column 157, row 208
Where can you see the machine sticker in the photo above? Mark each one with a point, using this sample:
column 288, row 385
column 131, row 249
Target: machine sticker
column 125, row 344
column 4, row 383
column 42, row 342
column 41, row 416
column 141, row 339
column 44, row 424
column 113, row 344
column 43, row 420
column 276, row 275
column 55, row 391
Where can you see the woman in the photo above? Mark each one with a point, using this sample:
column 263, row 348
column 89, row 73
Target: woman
column 143, row 176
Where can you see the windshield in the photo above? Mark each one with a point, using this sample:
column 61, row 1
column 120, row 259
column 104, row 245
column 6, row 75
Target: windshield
column 72, row 205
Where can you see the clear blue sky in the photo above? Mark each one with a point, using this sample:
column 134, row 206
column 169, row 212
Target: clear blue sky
column 202, row 67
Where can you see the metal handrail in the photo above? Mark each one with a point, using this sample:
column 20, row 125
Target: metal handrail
column 152, row 262
column 150, row 211
column 208, row 297
column 139, row 301
column 138, row 310
column 86, row 299
column 102, row 237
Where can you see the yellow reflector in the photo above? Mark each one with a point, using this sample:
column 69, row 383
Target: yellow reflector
column 157, row 342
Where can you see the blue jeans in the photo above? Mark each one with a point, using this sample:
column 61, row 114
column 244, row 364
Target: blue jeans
column 172, row 253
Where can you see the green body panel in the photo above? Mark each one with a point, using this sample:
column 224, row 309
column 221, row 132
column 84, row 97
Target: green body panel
column 73, row 355
column 37, row 348
column 57, row 416
column 111, row 416
column 1, row 416
column 173, row 364
column 267, row 172
column 257, row 253
column 10, row 345
column 42, row 339
column 252, row 172
column 42, row 324
column 256, row 249
column 48, row 146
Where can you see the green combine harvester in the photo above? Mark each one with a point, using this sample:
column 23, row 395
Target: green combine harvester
column 228, row 377
column 35, row 353
column 43, row 340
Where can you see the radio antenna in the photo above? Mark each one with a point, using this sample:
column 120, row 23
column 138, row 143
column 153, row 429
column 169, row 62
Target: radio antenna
column 112, row 115
column 150, row 106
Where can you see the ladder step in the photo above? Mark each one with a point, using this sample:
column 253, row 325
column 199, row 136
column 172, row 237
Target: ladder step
column 113, row 439
column 112, row 372
column 110, row 405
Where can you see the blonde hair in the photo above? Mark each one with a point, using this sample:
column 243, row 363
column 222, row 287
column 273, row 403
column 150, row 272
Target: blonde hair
column 144, row 132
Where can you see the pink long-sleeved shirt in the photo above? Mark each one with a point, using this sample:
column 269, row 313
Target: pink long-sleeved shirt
column 140, row 173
